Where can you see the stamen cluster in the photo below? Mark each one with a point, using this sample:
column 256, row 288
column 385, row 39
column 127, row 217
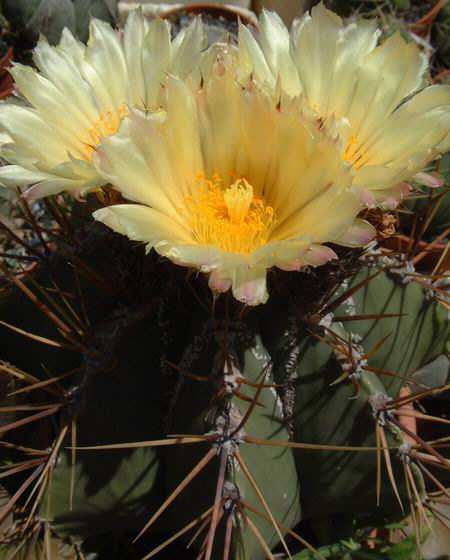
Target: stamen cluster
column 231, row 218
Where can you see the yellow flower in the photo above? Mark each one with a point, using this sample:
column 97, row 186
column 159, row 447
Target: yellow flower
column 391, row 128
column 80, row 94
column 229, row 182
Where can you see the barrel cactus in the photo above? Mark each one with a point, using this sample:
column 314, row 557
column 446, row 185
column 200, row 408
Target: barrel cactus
column 224, row 304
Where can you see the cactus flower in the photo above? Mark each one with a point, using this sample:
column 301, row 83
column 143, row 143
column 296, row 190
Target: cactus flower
column 391, row 127
column 229, row 182
column 80, row 94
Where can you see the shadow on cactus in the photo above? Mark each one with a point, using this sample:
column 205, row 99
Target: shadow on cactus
column 244, row 360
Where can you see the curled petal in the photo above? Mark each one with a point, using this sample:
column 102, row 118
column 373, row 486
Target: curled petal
column 291, row 266
column 141, row 223
column 275, row 43
column 367, row 197
column 204, row 258
column 318, row 255
column 249, row 285
column 360, row 233
column 428, row 179
column 16, row 175
column 392, row 197
column 251, row 58
column 218, row 282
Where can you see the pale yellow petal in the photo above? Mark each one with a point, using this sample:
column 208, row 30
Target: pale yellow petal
column 58, row 184
column 141, row 223
column 152, row 161
column 204, row 258
column 105, row 66
column 71, row 46
column 181, row 133
column 62, row 66
column 390, row 73
column 360, row 233
column 252, row 60
column 187, row 47
column 52, row 103
column 313, row 169
column 156, row 59
column 219, row 120
column 17, row 176
column 249, row 285
column 255, row 151
column 378, row 177
column 133, row 37
column 275, row 42
column 324, row 219
column 286, row 255
column 354, row 43
column 35, row 137
column 314, row 53
column 414, row 130
column 135, row 175
column 45, row 183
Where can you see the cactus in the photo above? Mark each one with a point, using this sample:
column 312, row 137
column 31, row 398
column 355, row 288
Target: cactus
column 135, row 336
column 50, row 18
column 137, row 406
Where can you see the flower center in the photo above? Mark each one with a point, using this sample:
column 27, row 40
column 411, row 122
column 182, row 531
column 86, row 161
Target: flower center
column 107, row 124
column 232, row 218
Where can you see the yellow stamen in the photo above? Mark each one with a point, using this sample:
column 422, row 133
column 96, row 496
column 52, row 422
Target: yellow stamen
column 353, row 153
column 107, row 124
column 232, row 218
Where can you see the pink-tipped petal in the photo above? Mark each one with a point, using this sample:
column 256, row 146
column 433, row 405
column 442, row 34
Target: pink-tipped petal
column 249, row 286
column 394, row 196
column 390, row 203
column 367, row 198
column 429, row 180
column 291, row 266
column 404, row 189
column 317, row 255
column 218, row 283
column 44, row 188
column 360, row 233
